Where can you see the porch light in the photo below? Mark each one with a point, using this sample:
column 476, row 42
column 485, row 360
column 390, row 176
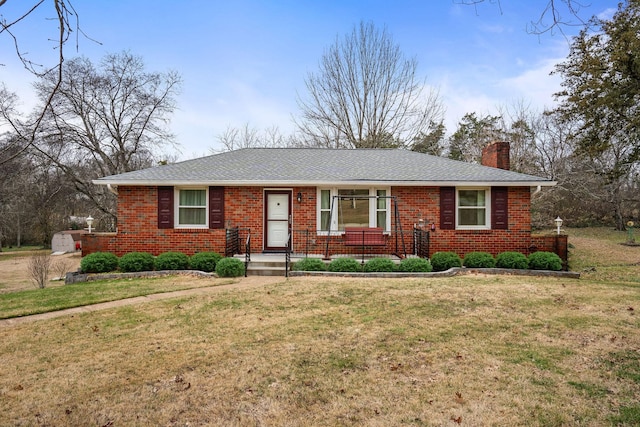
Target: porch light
column 558, row 222
column 89, row 223
column 299, row 197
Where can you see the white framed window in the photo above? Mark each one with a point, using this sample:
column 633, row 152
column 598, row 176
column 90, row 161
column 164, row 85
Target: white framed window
column 368, row 207
column 192, row 207
column 473, row 208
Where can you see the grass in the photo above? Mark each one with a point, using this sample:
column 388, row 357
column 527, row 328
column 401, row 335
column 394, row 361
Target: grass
column 34, row 301
column 471, row 350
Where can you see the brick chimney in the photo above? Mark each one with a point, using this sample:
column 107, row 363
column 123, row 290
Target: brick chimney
column 496, row 155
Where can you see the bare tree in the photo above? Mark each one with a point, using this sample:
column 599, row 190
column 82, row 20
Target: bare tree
column 517, row 122
column 366, row 94
column 38, row 267
column 555, row 15
column 67, row 22
column 247, row 136
column 105, row 120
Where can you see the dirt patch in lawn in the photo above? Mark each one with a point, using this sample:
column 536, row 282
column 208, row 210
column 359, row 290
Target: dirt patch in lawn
column 14, row 270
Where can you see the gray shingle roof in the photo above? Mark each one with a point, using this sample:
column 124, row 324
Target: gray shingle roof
column 309, row 166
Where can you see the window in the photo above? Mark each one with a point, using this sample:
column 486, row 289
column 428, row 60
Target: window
column 472, row 208
column 355, row 207
column 192, row 207
column 353, row 212
column 325, row 209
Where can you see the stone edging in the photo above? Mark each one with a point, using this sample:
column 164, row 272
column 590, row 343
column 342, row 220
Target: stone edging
column 76, row 277
column 456, row 271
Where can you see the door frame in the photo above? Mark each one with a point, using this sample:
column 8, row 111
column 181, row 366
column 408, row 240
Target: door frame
column 265, row 224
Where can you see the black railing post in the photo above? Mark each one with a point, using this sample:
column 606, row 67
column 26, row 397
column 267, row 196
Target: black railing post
column 287, row 256
column 247, row 253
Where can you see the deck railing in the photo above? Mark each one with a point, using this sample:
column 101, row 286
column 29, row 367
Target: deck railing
column 307, row 242
column 313, row 243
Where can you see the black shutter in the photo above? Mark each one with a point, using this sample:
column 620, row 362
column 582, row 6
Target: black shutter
column 500, row 208
column 216, row 207
column 165, row 207
column 447, row 208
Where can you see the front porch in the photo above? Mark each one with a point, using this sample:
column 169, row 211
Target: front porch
column 361, row 244
column 279, row 264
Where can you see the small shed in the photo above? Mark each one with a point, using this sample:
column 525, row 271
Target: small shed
column 67, row 241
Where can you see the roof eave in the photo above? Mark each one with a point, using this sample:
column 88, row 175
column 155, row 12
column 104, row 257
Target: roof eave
column 531, row 183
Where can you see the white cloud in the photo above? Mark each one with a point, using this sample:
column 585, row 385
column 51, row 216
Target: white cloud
column 607, row 14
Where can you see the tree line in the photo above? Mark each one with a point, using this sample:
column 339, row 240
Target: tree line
column 94, row 120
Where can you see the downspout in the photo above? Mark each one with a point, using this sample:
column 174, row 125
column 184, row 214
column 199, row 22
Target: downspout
column 538, row 189
column 115, row 191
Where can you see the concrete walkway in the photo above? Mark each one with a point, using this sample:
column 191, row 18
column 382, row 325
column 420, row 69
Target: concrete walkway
column 244, row 283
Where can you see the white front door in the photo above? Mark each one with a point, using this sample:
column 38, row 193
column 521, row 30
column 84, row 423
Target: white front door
column 277, row 217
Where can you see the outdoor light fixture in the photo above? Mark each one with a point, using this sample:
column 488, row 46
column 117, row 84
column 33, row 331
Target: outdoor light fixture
column 299, row 198
column 558, row 222
column 89, row 223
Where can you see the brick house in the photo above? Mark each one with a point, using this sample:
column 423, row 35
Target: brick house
column 309, row 200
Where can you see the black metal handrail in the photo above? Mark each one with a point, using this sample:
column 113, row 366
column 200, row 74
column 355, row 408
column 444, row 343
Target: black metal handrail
column 287, row 256
column 247, row 253
column 232, row 242
column 421, row 242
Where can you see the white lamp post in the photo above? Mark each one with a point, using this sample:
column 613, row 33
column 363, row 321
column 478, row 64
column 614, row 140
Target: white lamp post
column 89, row 222
column 558, row 222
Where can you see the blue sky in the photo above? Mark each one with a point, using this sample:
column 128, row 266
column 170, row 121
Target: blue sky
column 245, row 61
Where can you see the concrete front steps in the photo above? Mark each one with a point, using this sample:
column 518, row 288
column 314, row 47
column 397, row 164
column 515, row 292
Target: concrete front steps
column 265, row 264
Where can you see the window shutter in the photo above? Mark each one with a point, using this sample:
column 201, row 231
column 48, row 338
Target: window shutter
column 447, row 208
column 500, row 208
column 165, row 207
column 216, row 207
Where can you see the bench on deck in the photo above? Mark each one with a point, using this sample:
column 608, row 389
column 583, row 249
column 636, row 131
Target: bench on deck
column 364, row 236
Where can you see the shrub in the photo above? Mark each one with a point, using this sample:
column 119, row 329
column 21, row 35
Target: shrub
column 345, row 265
column 230, row 267
column 172, row 261
column 441, row 261
column 545, row 261
column 479, row 260
column 205, row 261
column 514, row 260
column 136, row 261
column 99, row 262
column 309, row 264
column 415, row 265
column 379, row 265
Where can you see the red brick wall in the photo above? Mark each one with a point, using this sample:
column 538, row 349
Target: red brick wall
column 138, row 223
column 415, row 203
column 558, row 244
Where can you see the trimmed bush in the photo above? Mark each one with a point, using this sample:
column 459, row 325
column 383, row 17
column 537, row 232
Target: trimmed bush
column 345, row 265
column 99, row 262
column 205, row 261
column 514, row 260
column 309, row 264
column 379, row 265
column 172, row 261
column 230, row 267
column 415, row 265
column 136, row 261
column 479, row 260
column 545, row 261
column 441, row 261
